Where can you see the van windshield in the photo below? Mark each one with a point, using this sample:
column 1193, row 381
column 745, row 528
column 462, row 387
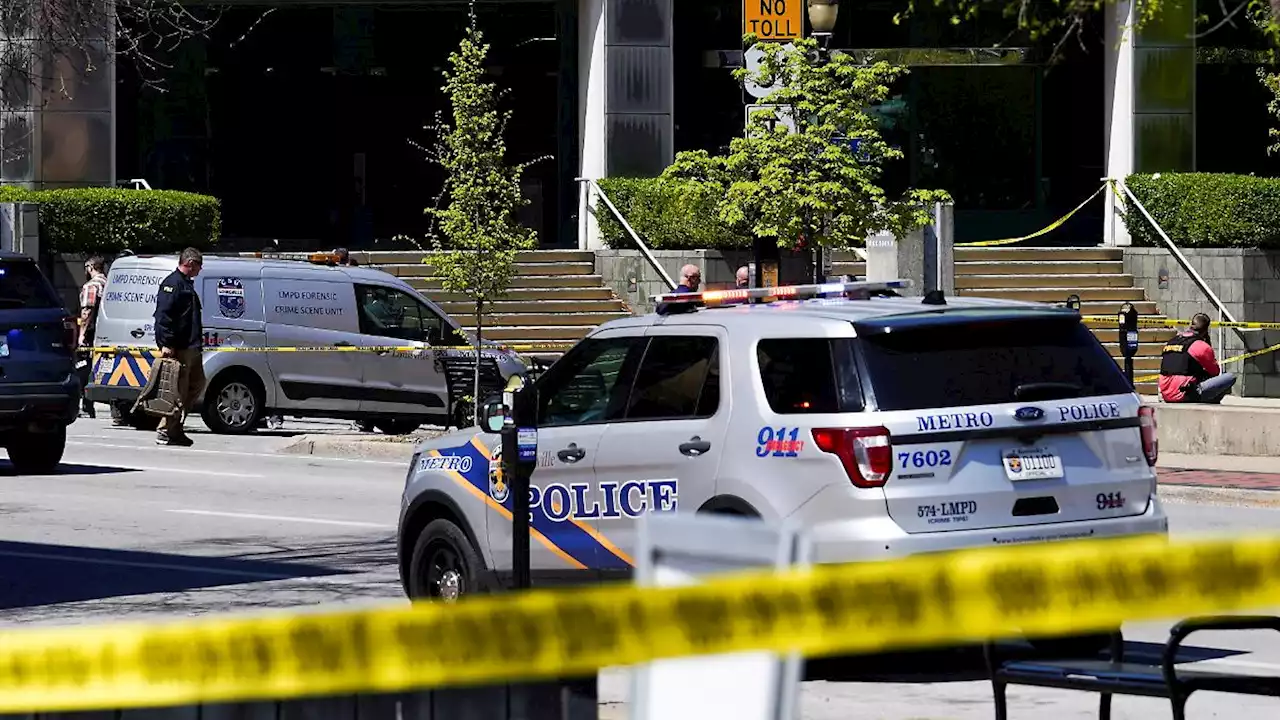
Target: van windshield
column 984, row 363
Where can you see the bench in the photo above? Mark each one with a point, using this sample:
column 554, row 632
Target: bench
column 1115, row 676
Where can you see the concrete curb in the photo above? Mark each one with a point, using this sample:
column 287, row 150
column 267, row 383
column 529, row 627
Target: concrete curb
column 351, row 446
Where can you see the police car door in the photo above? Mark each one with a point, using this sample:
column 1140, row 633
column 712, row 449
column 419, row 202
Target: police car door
column 578, row 397
column 665, row 449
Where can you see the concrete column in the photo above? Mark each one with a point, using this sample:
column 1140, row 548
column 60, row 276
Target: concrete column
column 1150, row 103
column 592, row 84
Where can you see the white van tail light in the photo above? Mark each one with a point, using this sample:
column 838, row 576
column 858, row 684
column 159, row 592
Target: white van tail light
column 1150, row 440
column 866, row 453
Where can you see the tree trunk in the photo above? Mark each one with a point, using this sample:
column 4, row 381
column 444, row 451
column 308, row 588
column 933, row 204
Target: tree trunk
column 475, row 397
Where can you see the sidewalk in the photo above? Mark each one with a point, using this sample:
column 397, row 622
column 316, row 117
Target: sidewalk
column 1221, row 471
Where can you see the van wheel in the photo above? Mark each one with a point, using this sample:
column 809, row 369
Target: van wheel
column 232, row 405
column 444, row 565
column 37, row 453
column 398, row 427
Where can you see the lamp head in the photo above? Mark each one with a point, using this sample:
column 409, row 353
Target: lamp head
column 822, row 15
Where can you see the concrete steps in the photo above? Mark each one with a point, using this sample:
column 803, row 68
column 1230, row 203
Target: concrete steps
column 1051, row 275
column 555, row 297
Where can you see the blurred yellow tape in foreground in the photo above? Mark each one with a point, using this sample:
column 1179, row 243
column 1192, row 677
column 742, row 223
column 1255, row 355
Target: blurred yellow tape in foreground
column 1038, row 589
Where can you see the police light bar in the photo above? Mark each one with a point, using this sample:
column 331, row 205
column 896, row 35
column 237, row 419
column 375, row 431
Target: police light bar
column 741, row 296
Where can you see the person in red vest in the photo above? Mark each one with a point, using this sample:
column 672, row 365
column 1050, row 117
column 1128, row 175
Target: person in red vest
column 1189, row 372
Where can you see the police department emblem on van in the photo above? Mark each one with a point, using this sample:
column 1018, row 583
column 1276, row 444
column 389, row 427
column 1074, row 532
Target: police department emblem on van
column 230, row 297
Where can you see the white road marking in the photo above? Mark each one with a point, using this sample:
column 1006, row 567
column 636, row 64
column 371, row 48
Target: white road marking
column 259, row 456
column 184, row 471
column 283, row 518
column 145, row 565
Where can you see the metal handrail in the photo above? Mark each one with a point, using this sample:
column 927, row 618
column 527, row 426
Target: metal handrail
column 588, row 185
column 1223, row 313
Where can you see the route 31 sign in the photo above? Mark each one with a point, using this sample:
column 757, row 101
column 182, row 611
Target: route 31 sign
column 752, row 59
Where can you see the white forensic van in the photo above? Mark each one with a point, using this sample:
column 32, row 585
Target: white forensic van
column 248, row 302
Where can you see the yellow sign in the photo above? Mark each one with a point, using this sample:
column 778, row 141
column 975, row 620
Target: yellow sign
column 773, row 20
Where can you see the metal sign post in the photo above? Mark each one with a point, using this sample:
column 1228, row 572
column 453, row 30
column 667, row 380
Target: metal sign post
column 519, row 457
column 1128, row 325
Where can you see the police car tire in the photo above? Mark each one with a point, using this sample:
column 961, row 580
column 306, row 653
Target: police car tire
column 37, row 453
column 443, row 531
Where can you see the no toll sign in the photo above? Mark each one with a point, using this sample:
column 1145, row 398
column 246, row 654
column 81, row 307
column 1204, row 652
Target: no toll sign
column 779, row 20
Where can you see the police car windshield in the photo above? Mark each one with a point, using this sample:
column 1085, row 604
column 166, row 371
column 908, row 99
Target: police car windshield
column 988, row 362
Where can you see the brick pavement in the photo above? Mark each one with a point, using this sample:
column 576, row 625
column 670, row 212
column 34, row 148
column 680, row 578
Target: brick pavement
column 1220, row 479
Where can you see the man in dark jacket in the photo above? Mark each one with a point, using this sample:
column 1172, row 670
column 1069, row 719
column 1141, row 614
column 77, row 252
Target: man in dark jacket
column 180, row 335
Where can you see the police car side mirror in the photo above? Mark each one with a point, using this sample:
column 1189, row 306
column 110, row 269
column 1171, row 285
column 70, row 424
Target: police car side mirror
column 493, row 416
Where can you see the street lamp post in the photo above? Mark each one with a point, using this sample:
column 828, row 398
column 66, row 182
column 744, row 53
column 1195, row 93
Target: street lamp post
column 822, row 20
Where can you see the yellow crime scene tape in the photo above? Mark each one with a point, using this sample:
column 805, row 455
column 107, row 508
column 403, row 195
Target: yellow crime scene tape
column 1178, row 322
column 1043, row 589
column 529, row 347
column 1050, row 228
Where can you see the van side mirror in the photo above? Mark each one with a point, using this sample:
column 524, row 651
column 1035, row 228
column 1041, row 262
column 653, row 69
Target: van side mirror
column 493, row 416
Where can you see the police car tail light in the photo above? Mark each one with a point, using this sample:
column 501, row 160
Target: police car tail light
column 1150, row 440
column 742, row 296
column 71, row 332
column 866, row 453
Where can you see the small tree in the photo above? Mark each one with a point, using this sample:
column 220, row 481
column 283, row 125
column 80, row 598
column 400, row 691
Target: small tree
column 819, row 181
column 477, row 229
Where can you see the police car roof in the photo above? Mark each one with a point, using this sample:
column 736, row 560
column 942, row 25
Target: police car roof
column 896, row 310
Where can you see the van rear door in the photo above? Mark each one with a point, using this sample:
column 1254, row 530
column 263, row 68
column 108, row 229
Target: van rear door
column 127, row 314
column 1003, row 418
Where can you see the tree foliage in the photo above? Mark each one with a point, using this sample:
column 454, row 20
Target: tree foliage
column 477, row 228
column 821, row 182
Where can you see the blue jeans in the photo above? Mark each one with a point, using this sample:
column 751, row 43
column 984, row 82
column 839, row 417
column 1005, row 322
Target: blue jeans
column 1212, row 391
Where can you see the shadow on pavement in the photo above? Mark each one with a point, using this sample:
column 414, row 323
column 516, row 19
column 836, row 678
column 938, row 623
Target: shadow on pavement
column 33, row 574
column 6, row 470
column 966, row 663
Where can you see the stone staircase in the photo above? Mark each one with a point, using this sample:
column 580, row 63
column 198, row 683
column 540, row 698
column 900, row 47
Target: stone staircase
column 556, row 296
column 1051, row 274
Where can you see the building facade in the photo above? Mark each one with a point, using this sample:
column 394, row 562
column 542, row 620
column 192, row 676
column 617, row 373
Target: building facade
column 306, row 118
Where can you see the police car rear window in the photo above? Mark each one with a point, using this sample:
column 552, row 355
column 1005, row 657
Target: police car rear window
column 982, row 363
column 22, row 287
column 809, row 375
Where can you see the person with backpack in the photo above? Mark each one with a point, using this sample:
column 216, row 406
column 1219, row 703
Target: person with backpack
column 1189, row 372
column 95, row 269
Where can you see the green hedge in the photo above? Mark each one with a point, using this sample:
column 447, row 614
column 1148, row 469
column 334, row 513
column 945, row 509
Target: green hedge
column 1206, row 209
column 668, row 214
column 108, row 220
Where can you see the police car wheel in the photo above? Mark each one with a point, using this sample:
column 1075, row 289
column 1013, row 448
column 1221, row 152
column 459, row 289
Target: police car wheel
column 37, row 453
column 232, row 406
column 444, row 564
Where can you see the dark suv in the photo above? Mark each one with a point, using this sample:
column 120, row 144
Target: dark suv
column 39, row 390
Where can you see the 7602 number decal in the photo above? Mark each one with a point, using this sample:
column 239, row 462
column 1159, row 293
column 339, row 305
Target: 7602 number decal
column 924, row 458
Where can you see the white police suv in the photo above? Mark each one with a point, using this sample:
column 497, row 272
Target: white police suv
column 887, row 425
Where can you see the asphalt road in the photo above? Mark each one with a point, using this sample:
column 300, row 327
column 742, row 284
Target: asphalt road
column 129, row 528
column 132, row 530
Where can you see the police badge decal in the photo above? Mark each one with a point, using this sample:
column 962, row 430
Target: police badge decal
column 498, row 488
column 230, row 298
